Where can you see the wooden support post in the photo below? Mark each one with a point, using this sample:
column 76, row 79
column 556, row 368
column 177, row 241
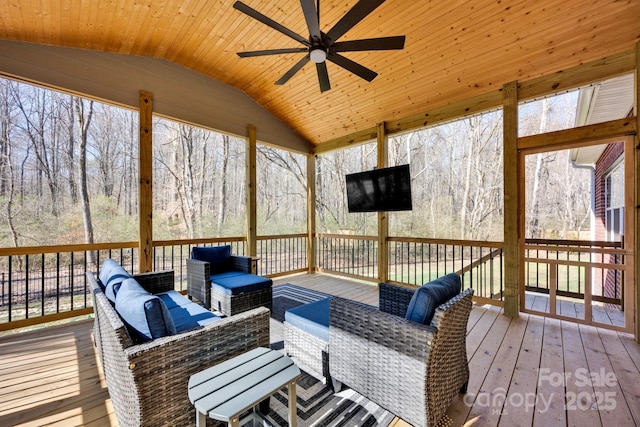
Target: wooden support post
column 636, row 259
column 145, row 185
column 252, row 191
column 383, row 217
column 511, row 206
column 311, row 213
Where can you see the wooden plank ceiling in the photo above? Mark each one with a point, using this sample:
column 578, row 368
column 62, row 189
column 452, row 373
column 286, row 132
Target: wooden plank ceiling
column 454, row 50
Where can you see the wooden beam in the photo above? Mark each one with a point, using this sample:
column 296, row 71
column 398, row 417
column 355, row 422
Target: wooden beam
column 311, row 213
column 145, row 185
column 383, row 217
column 577, row 137
column 581, row 75
column 636, row 169
column 511, row 198
column 252, row 191
column 571, row 78
column 356, row 138
column 475, row 105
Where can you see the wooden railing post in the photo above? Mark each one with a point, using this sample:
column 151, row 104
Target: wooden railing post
column 383, row 217
column 252, row 191
column 636, row 219
column 511, row 200
column 311, row 213
column 145, row 193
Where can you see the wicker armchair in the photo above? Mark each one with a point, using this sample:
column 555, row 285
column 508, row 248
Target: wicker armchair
column 199, row 287
column 148, row 382
column 410, row 369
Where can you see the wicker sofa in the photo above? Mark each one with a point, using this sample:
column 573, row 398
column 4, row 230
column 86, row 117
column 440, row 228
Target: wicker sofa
column 226, row 283
column 147, row 382
column 412, row 370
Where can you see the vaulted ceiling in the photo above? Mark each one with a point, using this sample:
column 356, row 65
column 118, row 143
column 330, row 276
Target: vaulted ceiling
column 454, row 49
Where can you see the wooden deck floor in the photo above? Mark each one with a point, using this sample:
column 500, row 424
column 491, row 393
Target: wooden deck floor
column 51, row 376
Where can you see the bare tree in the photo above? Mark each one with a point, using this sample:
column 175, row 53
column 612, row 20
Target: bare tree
column 84, row 113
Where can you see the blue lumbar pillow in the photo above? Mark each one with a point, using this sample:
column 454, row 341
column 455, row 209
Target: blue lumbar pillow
column 105, row 270
column 111, row 277
column 430, row 296
column 217, row 256
column 145, row 314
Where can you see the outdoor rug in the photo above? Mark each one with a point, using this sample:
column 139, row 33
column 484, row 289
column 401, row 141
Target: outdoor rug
column 287, row 296
column 317, row 406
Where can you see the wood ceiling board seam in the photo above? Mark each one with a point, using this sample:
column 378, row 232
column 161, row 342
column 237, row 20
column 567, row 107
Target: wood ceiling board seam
column 165, row 24
column 149, row 27
column 189, row 20
column 128, row 34
column 208, row 30
column 439, row 64
column 188, row 14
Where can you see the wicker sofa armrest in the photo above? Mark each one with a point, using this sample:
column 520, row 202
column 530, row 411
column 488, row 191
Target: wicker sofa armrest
column 244, row 264
column 157, row 281
column 160, row 369
column 199, row 281
column 394, row 299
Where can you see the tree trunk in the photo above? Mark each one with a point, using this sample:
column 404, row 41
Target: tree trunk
column 84, row 123
column 222, row 188
column 534, row 213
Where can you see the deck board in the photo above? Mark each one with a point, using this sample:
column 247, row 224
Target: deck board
column 51, row 376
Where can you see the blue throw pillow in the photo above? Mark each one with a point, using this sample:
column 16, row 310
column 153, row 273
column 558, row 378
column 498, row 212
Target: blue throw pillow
column 218, row 256
column 146, row 315
column 105, row 270
column 428, row 297
column 117, row 275
column 111, row 276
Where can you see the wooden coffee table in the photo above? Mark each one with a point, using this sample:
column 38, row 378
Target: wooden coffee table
column 227, row 390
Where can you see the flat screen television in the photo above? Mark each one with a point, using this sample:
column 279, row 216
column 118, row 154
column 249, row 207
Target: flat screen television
column 385, row 189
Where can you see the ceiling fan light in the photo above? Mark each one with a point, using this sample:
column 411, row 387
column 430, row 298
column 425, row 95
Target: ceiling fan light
column 318, row 56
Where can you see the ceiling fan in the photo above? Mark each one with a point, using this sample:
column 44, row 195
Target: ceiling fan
column 321, row 47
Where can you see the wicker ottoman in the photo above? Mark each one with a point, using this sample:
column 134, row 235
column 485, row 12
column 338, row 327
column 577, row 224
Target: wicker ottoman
column 236, row 292
column 306, row 337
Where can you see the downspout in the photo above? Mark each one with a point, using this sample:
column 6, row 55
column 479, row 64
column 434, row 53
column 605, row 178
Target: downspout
column 592, row 213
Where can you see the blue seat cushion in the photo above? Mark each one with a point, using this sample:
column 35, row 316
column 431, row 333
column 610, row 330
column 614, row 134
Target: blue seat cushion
column 430, row 296
column 111, row 276
column 312, row 318
column 172, row 299
column 190, row 315
column 145, row 314
column 235, row 283
column 219, row 257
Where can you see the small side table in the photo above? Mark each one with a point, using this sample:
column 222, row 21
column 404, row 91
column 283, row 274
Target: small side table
column 227, row 390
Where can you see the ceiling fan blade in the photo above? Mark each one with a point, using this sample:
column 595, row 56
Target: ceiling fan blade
column 271, row 52
column 323, row 76
column 269, row 22
column 285, row 78
column 382, row 43
column 312, row 18
column 354, row 67
column 351, row 18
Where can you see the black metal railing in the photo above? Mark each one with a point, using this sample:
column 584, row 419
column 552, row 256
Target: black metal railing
column 41, row 281
column 353, row 256
column 415, row 261
column 418, row 261
column 282, row 254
